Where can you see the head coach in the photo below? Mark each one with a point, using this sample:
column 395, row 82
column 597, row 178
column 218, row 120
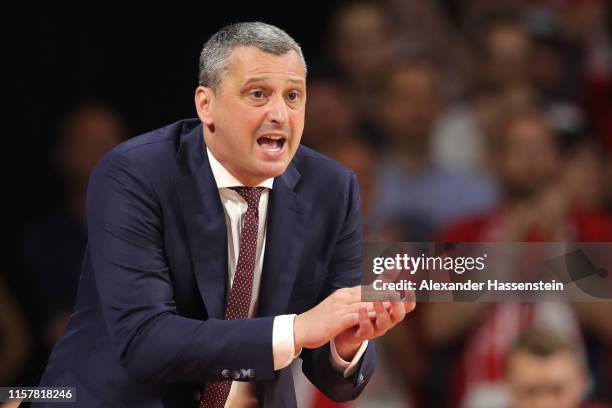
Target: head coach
column 220, row 249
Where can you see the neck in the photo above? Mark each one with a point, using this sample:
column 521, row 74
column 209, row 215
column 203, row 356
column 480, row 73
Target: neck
column 247, row 180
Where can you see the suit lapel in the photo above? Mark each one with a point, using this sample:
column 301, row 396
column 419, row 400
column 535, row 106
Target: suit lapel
column 206, row 229
column 284, row 242
column 204, row 221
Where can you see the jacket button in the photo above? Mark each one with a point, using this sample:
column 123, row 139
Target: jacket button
column 226, row 373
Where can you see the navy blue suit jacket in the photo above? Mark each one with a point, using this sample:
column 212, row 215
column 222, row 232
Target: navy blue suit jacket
column 148, row 328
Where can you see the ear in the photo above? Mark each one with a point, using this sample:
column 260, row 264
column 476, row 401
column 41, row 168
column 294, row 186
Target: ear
column 204, row 99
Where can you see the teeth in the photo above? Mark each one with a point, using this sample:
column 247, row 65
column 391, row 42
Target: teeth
column 272, row 148
column 271, row 143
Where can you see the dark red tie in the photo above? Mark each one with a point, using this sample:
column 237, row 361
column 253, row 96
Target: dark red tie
column 239, row 299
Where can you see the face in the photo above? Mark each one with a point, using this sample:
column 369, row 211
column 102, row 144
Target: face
column 584, row 177
column 362, row 41
column 411, row 105
column 528, row 161
column 329, row 114
column 545, row 382
column 254, row 120
column 89, row 135
column 509, row 54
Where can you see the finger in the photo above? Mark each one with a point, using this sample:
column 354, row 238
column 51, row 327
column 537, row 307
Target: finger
column 383, row 320
column 409, row 301
column 349, row 320
column 371, row 315
column 355, row 307
column 366, row 328
column 362, row 319
column 409, row 306
column 398, row 311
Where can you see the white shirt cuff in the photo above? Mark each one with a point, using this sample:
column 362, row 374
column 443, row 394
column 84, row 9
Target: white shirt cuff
column 347, row 368
column 283, row 341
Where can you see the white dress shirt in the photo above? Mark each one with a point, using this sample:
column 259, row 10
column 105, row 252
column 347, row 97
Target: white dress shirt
column 283, row 344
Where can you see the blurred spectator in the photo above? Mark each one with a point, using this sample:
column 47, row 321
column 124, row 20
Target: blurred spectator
column 536, row 206
column 506, row 50
column 362, row 43
column 361, row 158
column 51, row 249
column 424, row 30
column 584, row 176
column 548, row 69
column 15, row 339
column 331, row 127
column 521, row 63
column 331, row 121
column 587, row 30
column 414, row 193
column 545, row 371
column 461, row 135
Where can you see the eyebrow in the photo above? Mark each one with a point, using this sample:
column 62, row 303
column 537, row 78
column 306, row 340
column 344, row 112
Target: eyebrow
column 262, row 79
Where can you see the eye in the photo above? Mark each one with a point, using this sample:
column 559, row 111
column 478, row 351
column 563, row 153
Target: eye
column 293, row 96
column 257, row 94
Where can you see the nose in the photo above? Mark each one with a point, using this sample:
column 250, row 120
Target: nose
column 278, row 113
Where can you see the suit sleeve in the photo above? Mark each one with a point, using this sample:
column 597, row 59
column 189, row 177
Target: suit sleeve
column 153, row 342
column 344, row 271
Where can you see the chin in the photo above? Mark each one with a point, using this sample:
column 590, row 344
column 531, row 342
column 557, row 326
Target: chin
column 268, row 170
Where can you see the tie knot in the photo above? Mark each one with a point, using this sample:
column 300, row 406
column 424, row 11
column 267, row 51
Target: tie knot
column 250, row 194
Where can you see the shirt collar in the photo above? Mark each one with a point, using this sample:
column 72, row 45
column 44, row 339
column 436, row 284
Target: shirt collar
column 225, row 179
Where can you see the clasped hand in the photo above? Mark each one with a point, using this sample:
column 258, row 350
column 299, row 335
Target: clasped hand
column 344, row 317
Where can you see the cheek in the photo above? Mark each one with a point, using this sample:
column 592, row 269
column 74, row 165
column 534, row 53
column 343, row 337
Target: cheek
column 241, row 127
column 297, row 125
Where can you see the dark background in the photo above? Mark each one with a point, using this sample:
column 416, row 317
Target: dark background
column 144, row 63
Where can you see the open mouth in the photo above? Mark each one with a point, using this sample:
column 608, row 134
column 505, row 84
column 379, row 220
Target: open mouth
column 271, row 143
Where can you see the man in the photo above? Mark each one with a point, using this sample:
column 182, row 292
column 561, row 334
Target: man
column 51, row 250
column 544, row 371
column 417, row 196
column 207, row 237
column 535, row 207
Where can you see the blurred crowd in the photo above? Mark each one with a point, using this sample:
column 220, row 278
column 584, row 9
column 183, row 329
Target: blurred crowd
column 483, row 121
column 464, row 120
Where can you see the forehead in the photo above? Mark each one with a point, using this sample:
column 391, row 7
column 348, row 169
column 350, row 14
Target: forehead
column 411, row 80
column 360, row 19
column 526, row 367
column 248, row 62
column 530, row 130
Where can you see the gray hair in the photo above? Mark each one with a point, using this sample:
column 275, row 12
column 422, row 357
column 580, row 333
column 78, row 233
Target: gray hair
column 214, row 58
